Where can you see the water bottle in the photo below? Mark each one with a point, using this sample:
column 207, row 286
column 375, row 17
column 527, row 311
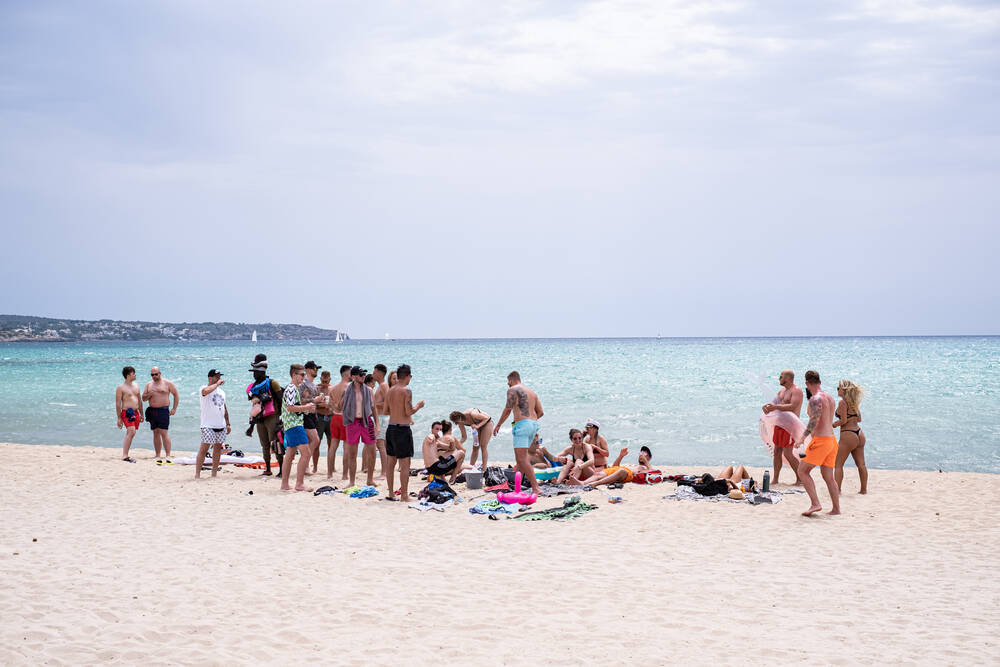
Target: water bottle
column 767, row 481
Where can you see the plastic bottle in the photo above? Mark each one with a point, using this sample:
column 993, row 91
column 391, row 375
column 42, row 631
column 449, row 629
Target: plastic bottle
column 767, row 481
column 615, row 499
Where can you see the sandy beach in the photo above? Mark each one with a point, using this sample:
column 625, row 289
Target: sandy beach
column 104, row 561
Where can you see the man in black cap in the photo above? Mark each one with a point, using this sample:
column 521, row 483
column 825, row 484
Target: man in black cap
column 360, row 422
column 214, row 422
column 309, row 394
column 266, row 394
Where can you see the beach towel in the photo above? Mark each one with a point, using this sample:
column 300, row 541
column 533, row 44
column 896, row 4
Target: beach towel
column 365, row 492
column 423, row 506
column 492, row 507
column 572, row 508
column 550, row 490
column 770, row 498
column 647, row 477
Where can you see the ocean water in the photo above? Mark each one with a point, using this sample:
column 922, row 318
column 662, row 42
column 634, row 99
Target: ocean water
column 930, row 403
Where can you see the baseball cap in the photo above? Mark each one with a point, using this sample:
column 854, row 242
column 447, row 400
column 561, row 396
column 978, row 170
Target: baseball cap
column 213, row 373
column 593, row 422
column 357, row 370
column 312, row 365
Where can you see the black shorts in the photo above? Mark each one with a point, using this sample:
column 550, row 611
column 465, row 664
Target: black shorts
column 158, row 418
column 399, row 441
column 309, row 421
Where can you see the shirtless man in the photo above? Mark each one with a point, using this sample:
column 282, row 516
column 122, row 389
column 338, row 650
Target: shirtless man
column 309, row 394
column 157, row 393
column 443, row 444
column 789, row 399
column 541, row 457
column 616, row 472
column 399, row 434
column 381, row 391
column 324, row 415
column 822, row 451
column 338, row 433
column 361, row 423
column 128, row 408
column 527, row 410
column 479, row 422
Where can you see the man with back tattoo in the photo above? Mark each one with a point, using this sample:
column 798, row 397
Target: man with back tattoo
column 527, row 409
column 822, row 450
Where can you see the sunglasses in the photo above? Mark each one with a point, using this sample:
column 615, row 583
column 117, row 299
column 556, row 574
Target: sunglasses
column 155, row 375
column 577, row 437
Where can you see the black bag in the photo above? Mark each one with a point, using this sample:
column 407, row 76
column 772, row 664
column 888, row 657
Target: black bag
column 713, row 488
column 494, row 479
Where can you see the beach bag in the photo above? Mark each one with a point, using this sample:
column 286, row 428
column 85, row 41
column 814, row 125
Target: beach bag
column 494, row 479
column 716, row 487
column 648, row 477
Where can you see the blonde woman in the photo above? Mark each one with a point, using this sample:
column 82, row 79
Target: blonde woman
column 852, row 438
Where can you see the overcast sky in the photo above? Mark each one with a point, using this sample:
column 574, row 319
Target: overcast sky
column 480, row 169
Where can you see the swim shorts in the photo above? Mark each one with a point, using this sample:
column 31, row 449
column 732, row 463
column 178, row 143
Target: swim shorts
column 359, row 431
column 296, row 437
column 323, row 425
column 383, row 424
column 158, row 418
column 782, row 438
column 337, row 430
column 524, row 432
column 309, row 421
column 130, row 418
column 613, row 469
column 822, row 451
column 399, row 441
column 213, row 436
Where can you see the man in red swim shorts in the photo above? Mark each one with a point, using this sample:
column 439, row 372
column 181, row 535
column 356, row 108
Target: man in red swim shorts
column 789, row 399
column 128, row 405
column 822, row 451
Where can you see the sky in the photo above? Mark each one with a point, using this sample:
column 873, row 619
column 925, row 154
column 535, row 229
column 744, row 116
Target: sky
column 517, row 169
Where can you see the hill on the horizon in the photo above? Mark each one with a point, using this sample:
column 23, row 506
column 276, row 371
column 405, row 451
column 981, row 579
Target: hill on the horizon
column 21, row 328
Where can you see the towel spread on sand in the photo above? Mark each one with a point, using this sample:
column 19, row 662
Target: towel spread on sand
column 365, row 492
column 492, row 507
column 572, row 508
column 424, row 506
column 771, row 497
column 549, row 490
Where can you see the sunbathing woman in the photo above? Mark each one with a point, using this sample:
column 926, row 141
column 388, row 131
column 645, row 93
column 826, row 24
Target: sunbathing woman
column 733, row 475
column 599, row 443
column 480, row 423
column 579, row 458
column 852, row 438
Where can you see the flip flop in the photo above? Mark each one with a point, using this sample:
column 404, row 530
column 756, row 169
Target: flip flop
column 128, row 459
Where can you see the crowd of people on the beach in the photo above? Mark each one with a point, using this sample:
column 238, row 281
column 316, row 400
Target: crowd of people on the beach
column 374, row 411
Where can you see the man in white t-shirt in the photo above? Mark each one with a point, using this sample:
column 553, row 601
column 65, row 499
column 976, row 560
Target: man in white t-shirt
column 214, row 422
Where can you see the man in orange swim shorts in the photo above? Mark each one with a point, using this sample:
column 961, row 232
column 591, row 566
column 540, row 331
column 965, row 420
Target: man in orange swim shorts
column 822, row 451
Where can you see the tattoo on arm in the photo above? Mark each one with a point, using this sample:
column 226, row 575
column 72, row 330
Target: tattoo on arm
column 815, row 412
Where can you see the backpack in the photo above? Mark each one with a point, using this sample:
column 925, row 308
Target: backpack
column 648, row 477
column 494, row 479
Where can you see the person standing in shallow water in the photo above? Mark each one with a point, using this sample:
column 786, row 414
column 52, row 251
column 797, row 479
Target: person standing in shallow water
column 822, row 451
column 157, row 393
column 527, row 410
column 128, row 407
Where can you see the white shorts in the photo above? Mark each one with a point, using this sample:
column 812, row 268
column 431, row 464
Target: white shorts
column 383, row 424
column 212, row 436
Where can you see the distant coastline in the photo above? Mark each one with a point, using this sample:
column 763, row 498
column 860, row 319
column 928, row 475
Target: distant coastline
column 31, row 329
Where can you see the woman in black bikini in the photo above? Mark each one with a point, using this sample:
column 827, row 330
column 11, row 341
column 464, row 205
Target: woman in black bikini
column 852, row 438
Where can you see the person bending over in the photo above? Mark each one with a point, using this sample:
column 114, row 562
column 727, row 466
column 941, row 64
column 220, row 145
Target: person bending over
column 479, row 422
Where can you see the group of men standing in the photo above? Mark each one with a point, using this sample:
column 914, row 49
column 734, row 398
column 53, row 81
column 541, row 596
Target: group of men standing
column 371, row 411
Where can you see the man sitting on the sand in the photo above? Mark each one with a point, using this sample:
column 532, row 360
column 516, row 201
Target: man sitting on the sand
column 540, row 457
column 616, row 472
column 438, row 446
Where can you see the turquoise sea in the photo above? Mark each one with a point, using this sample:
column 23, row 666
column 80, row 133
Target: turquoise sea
column 930, row 403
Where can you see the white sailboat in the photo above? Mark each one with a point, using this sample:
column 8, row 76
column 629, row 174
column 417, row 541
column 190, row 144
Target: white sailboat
column 340, row 338
column 253, row 336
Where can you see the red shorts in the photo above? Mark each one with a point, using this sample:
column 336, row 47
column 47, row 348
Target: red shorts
column 359, row 431
column 337, row 430
column 782, row 438
column 130, row 418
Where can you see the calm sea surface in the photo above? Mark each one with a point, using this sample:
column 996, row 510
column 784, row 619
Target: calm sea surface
column 930, row 402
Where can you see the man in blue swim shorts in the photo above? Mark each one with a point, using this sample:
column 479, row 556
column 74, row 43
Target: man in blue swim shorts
column 296, row 439
column 527, row 410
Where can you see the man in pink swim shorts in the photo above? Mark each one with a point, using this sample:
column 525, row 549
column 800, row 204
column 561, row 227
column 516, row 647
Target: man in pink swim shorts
column 360, row 422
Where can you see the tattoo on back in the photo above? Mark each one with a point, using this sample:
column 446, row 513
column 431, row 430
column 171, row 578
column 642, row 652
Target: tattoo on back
column 520, row 397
